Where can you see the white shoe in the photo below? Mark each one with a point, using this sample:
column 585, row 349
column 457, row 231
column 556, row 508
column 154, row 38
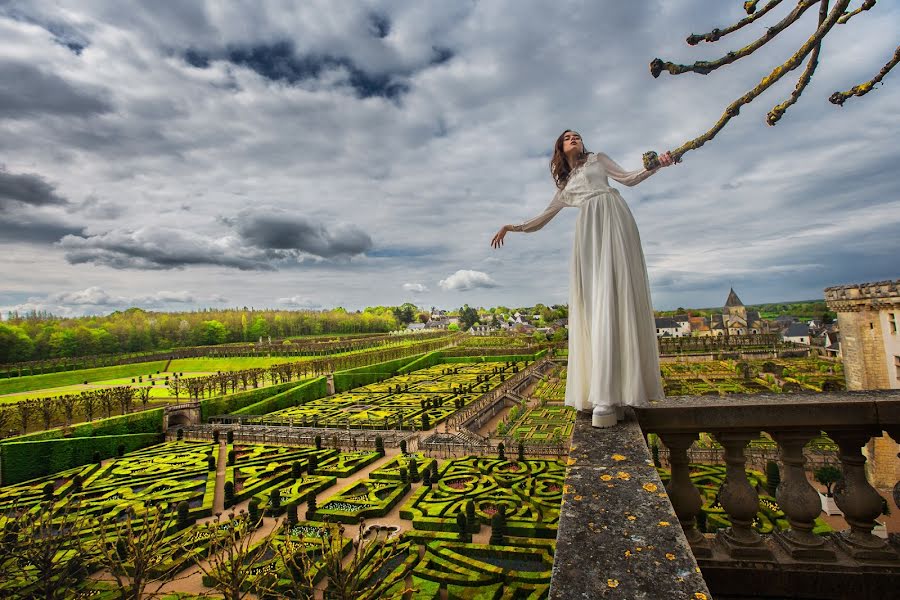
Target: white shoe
column 603, row 416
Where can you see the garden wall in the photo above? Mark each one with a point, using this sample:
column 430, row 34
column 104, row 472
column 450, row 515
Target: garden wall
column 21, row 461
column 351, row 378
column 146, row 421
column 429, row 360
column 299, row 394
column 223, row 405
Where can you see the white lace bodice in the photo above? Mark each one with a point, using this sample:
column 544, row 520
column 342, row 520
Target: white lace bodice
column 586, row 182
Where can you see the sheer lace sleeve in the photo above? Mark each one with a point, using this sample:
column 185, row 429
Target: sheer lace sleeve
column 616, row 172
column 542, row 219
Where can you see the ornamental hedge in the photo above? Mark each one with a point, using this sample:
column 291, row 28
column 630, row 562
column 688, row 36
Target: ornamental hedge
column 27, row 460
column 223, row 405
column 351, row 378
column 146, row 421
column 298, row 394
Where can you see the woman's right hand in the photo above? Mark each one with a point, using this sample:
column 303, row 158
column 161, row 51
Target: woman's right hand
column 498, row 238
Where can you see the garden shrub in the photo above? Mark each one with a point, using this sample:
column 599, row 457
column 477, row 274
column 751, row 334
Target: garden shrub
column 184, row 515
column 221, row 405
column 229, row 493
column 229, row 437
column 297, row 469
column 211, row 462
column 231, row 456
column 379, row 445
column 22, row 461
column 773, row 477
column 299, row 394
column 311, row 506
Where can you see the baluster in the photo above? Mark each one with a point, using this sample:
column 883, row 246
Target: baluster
column 684, row 495
column 740, row 500
column 799, row 500
column 894, row 432
column 859, row 501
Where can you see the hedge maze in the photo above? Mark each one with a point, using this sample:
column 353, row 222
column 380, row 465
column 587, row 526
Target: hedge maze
column 419, row 400
column 543, row 424
column 709, row 479
column 529, row 492
column 722, row 377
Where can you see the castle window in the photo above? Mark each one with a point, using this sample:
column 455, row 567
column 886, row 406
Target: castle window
column 892, row 322
column 897, row 365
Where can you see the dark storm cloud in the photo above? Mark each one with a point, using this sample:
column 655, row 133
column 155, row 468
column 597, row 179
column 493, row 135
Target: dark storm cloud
column 63, row 33
column 280, row 62
column 34, row 228
column 270, row 229
column 29, row 91
column 379, row 25
column 27, row 188
column 160, row 249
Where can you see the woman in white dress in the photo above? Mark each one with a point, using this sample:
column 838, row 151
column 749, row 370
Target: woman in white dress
column 613, row 355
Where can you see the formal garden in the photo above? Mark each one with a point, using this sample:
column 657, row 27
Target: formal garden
column 721, row 377
column 417, row 400
column 103, row 505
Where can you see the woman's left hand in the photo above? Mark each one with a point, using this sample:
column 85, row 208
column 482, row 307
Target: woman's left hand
column 666, row 160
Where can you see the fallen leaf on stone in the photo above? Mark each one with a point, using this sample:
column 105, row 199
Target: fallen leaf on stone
column 618, row 457
column 650, row 487
column 612, row 583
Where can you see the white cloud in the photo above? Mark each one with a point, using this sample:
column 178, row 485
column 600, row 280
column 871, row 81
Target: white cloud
column 416, row 288
column 299, row 302
column 464, row 280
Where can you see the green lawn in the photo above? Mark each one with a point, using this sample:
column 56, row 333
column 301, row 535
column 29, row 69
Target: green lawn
column 211, row 365
column 67, row 378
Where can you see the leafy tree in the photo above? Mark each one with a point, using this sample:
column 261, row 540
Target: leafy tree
column 828, row 475
column 468, row 317
column 210, row 333
column 15, row 344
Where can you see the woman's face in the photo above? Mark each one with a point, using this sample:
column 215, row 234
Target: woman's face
column 572, row 143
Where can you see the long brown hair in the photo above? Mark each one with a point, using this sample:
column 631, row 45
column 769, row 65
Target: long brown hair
column 560, row 169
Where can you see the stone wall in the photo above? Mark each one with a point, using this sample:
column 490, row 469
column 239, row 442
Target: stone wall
column 862, row 324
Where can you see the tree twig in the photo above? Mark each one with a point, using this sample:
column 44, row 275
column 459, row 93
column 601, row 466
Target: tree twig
column 704, row 67
column 778, row 110
column 864, row 88
column 716, row 34
column 866, row 5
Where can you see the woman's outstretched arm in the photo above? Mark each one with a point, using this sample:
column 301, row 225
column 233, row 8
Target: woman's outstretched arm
column 533, row 224
column 630, row 178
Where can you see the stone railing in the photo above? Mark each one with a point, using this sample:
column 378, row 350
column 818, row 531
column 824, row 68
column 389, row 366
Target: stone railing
column 850, row 563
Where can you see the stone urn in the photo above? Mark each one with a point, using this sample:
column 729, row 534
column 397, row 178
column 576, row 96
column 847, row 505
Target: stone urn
column 829, row 507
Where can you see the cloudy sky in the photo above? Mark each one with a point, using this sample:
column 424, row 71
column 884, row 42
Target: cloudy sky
column 180, row 154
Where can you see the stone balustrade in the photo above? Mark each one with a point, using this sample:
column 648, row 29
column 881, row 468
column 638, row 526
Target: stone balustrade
column 853, row 562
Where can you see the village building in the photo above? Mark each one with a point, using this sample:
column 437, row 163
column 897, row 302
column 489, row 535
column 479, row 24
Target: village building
column 797, row 333
column 667, row 327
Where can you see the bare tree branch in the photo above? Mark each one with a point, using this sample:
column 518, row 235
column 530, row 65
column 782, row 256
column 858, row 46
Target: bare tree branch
column 716, row 34
column 703, row 67
column 778, row 110
column 651, row 159
column 864, row 88
column 866, row 5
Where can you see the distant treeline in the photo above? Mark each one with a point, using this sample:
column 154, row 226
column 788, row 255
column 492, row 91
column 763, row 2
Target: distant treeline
column 803, row 310
column 25, row 338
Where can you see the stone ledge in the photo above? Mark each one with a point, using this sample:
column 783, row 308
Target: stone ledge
column 618, row 538
column 875, row 409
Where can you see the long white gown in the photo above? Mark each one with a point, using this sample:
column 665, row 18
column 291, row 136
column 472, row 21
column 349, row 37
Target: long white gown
column 613, row 354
